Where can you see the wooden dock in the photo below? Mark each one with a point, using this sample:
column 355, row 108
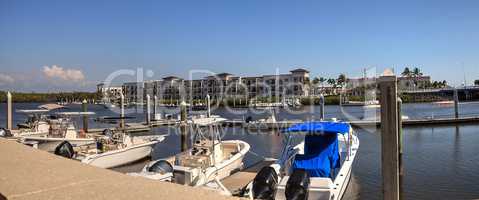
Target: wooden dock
column 372, row 123
column 417, row 122
column 136, row 127
column 239, row 180
column 29, row 173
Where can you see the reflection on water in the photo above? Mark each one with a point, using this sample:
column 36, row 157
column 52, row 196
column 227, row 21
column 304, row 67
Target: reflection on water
column 440, row 162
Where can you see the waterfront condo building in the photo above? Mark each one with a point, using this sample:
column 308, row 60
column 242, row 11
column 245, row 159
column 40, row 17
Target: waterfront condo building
column 220, row 86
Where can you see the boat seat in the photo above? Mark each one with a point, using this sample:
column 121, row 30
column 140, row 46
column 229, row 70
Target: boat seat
column 195, row 161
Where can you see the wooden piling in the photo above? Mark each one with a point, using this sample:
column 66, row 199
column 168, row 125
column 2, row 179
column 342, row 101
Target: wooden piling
column 85, row 117
column 389, row 137
column 321, row 107
column 155, row 107
column 456, row 102
column 183, row 124
column 148, row 111
column 208, row 104
column 122, row 110
column 9, row 111
column 400, row 146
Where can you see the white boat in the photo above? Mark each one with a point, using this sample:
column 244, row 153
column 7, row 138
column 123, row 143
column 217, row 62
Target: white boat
column 269, row 123
column 49, row 133
column 366, row 104
column 317, row 168
column 36, row 123
column 209, row 160
column 111, row 150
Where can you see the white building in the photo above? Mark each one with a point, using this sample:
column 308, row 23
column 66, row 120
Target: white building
column 110, row 93
column 223, row 85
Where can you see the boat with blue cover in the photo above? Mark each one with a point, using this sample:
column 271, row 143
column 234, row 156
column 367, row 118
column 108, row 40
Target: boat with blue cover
column 319, row 167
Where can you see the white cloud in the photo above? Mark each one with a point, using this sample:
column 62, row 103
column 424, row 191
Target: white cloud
column 6, row 79
column 55, row 72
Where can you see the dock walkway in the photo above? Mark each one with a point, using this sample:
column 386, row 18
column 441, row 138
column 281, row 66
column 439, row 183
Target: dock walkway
column 240, row 179
column 27, row 173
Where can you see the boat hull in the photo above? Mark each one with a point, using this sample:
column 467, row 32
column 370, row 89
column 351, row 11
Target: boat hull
column 120, row 157
column 49, row 144
column 228, row 166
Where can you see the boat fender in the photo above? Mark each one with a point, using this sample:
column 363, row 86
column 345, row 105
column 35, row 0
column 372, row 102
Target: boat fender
column 264, row 183
column 65, row 149
column 5, row 133
column 161, row 166
column 297, row 185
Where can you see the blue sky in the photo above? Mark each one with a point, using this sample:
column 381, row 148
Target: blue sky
column 241, row 37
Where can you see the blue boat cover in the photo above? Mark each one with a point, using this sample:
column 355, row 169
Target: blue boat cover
column 322, row 127
column 321, row 151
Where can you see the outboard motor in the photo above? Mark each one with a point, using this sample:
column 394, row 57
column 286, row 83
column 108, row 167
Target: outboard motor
column 5, row 133
column 297, row 185
column 108, row 133
column 99, row 146
column 248, row 119
column 264, row 183
column 161, row 166
column 65, row 149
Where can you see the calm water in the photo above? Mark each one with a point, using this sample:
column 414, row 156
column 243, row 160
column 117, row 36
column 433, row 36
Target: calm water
column 440, row 162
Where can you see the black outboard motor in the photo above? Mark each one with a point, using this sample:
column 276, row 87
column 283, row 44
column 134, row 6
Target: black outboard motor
column 264, row 183
column 108, row 133
column 248, row 119
column 65, row 149
column 5, row 133
column 161, row 166
column 99, row 146
column 297, row 185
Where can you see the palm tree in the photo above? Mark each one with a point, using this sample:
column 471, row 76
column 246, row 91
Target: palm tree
column 416, row 72
column 406, row 72
column 341, row 79
column 332, row 82
column 315, row 80
column 322, row 80
column 476, row 82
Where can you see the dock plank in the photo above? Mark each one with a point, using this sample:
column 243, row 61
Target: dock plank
column 240, row 179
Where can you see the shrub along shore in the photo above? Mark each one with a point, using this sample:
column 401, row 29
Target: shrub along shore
column 24, row 97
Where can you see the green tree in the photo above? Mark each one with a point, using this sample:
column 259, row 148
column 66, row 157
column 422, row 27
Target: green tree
column 416, row 72
column 332, row 82
column 476, row 82
column 341, row 79
column 322, row 80
column 315, row 80
column 406, row 72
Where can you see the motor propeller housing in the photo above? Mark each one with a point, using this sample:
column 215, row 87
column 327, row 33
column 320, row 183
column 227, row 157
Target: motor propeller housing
column 161, row 166
column 5, row 133
column 264, row 183
column 65, row 149
column 297, row 185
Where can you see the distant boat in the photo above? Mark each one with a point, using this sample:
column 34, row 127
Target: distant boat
column 367, row 104
column 47, row 133
column 268, row 123
column 446, row 102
